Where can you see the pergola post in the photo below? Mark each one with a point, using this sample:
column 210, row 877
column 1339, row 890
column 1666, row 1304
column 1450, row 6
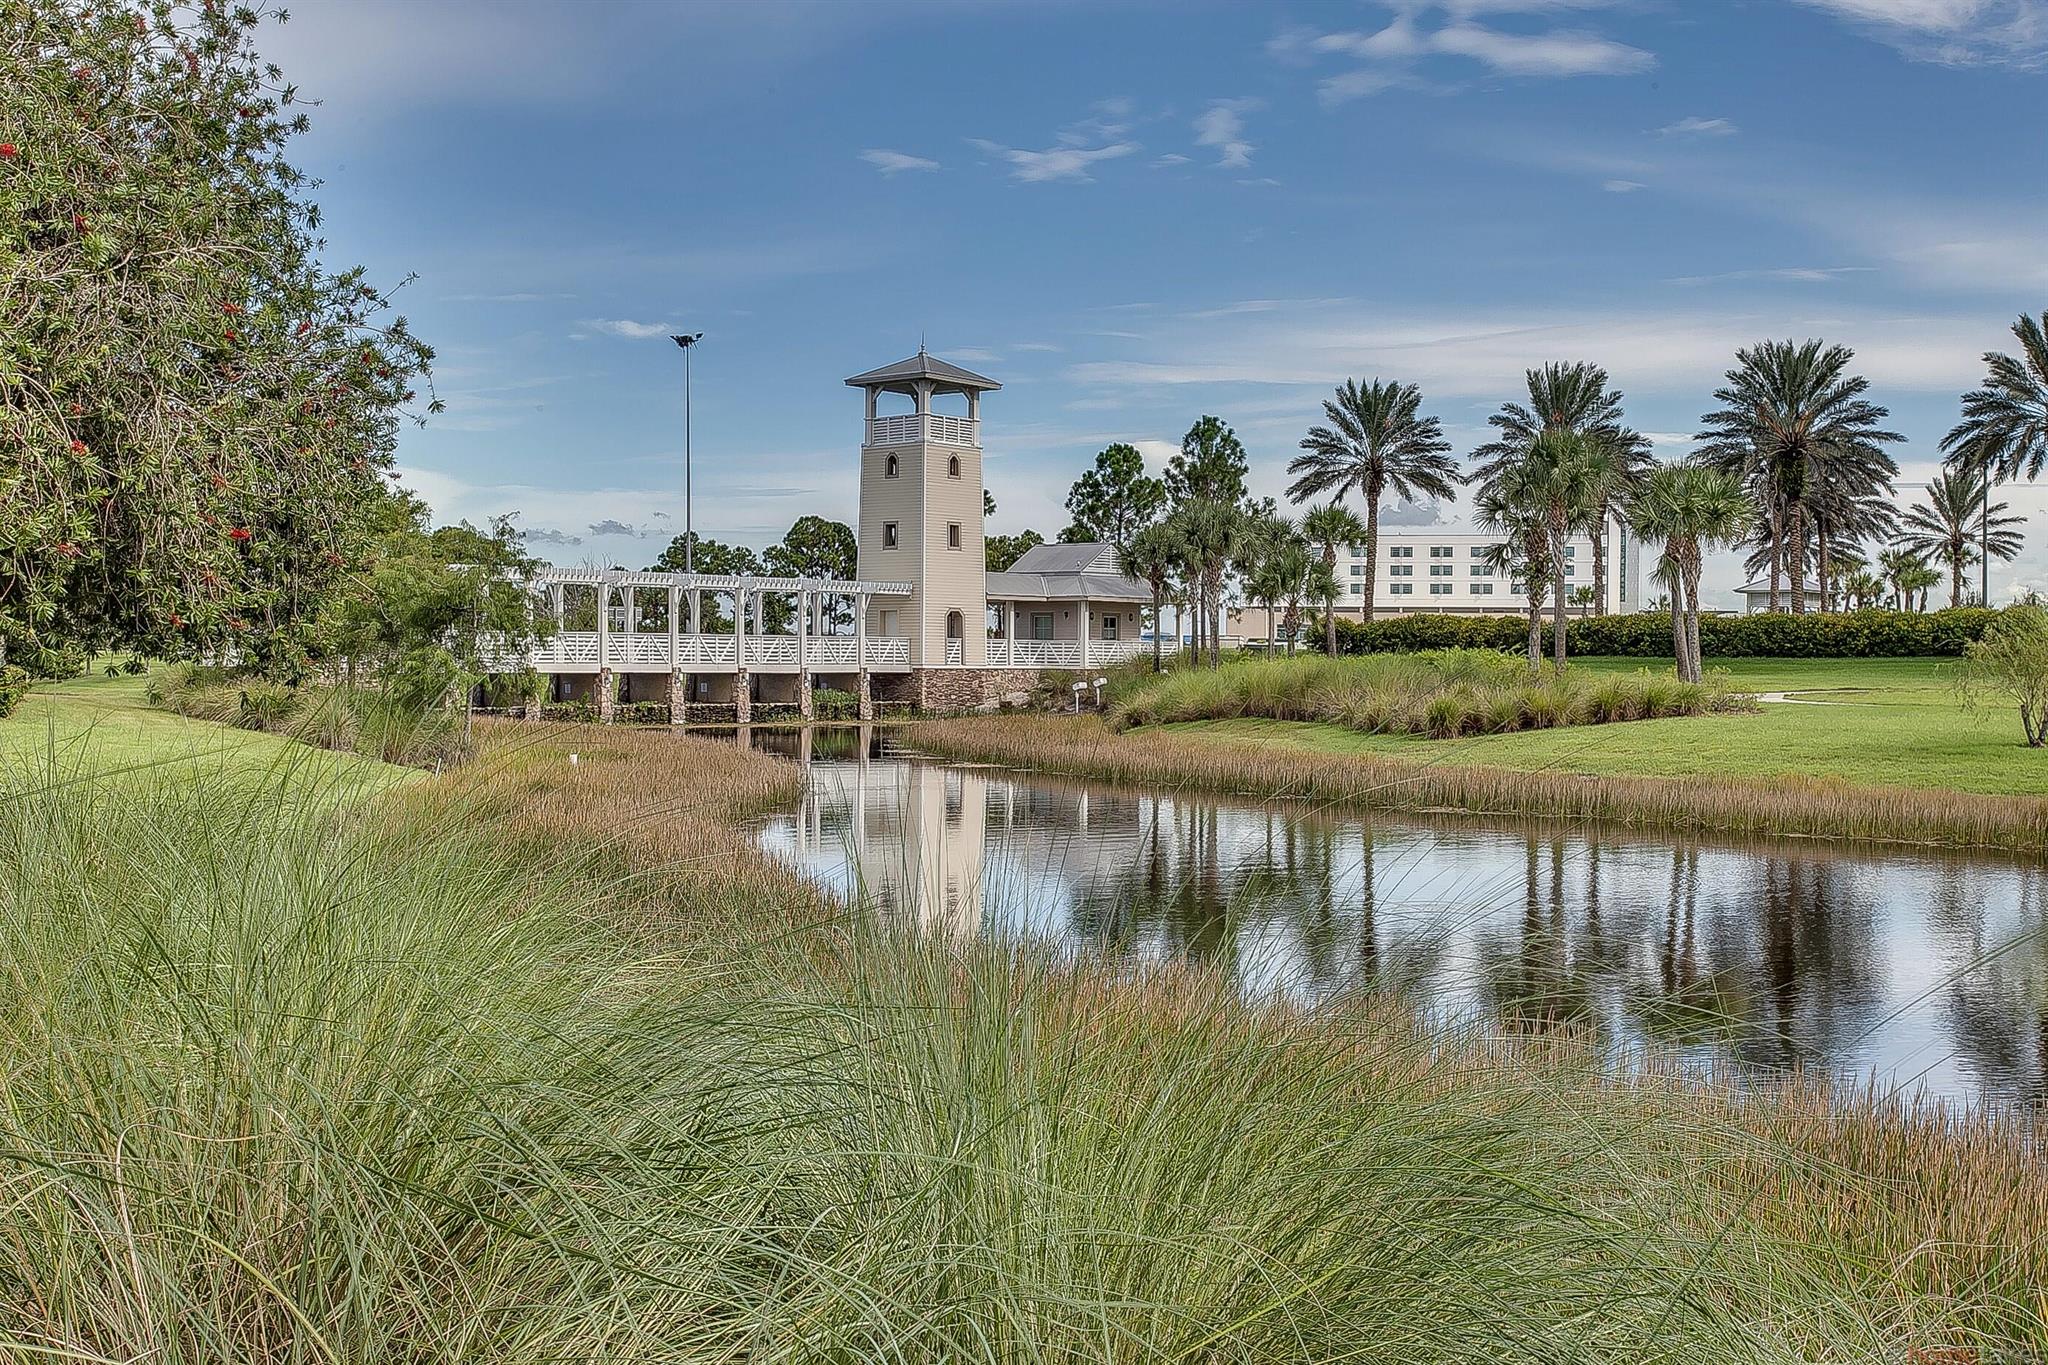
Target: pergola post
column 805, row 705
column 1087, row 625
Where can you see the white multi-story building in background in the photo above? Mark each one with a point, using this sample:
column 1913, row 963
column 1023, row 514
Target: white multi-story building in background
column 1448, row 573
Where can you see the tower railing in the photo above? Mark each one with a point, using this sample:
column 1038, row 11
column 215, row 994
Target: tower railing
column 909, row 428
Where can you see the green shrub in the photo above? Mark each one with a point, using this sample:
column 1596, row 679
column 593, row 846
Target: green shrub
column 13, row 687
column 1647, row 635
column 829, row 703
column 641, row 713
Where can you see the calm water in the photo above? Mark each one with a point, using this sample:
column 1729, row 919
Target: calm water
column 1929, row 972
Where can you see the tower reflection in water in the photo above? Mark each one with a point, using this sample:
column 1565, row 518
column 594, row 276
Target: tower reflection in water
column 1927, row 971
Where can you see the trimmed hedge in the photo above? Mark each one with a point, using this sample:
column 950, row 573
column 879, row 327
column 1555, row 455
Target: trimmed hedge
column 1647, row 635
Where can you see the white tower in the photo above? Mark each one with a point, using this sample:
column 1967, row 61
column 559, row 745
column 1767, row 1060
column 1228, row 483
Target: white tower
column 920, row 511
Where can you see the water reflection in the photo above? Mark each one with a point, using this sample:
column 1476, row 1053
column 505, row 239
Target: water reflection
column 1927, row 971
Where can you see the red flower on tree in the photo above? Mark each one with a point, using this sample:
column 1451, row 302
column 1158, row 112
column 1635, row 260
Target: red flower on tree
column 67, row 549
column 231, row 308
column 78, row 448
column 177, row 621
column 305, row 327
column 241, row 533
column 78, row 221
column 78, row 409
column 9, row 150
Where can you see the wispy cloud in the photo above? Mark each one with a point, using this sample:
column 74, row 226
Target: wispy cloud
column 1621, row 186
column 1793, row 274
column 1392, row 53
column 1221, row 126
column 895, row 163
column 626, row 327
column 1953, row 32
column 1054, row 163
column 1695, row 126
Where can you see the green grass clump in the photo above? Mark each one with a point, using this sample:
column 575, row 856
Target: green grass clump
column 1441, row 694
column 330, row 717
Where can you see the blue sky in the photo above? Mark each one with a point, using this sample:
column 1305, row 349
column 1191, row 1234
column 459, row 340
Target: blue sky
column 1132, row 214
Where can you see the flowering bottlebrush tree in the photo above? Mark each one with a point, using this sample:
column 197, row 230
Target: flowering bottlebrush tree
column 195, row 411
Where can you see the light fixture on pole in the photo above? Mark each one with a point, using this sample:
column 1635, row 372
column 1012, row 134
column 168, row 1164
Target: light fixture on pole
column 687, row 341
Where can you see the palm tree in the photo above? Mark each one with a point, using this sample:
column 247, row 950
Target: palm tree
column 1918, row 579
column 1862, row 587
column 1154, row 554
column 1956, row 523
column 1504, row 508
column 1689, row 509
column 1329, row 526
column 1212, row 532
column 1895, row 566
column 1376, row 440
column 1559, row 475
column 2004, row 431
column 1573, row 397
column 1792, row 420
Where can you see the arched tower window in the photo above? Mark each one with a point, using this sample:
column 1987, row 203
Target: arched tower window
column 953, row 467
column 954, row 625
column 889, row 468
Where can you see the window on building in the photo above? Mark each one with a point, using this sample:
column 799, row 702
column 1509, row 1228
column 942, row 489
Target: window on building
column 1482, row 589
column 1441, row 589
column 1358, row 589
column 1401, row 589
column 1041, row 625
column 889, row 531
column 1358, row 570
column 952, row 535
column 1571, row 552
column 1480, row 550
column 955, row 626
column 1401, row 552
column 1442, row 551
column 1109, row 626
column 1355, row 551
column 1401, row 569
column 1441, row 570
column 952, row 466
column 889, row 468
column 1481, row 571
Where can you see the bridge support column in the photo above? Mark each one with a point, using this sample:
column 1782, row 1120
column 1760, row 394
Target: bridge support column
column 806, row 698
column 742, row 696
column 867, row 697
column 678, row 697
column 607, row 694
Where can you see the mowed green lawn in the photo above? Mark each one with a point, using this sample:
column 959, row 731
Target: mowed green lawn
column 100, row 726
column 1887, row 722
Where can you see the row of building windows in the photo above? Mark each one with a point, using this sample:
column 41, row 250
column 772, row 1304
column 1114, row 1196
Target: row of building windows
column 1442, row 551
column 1443, row 571
column 889, row 535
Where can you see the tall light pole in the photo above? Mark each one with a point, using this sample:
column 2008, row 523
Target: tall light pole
column 687, row 341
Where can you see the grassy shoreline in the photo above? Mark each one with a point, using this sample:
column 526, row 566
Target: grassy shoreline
column 549, row 1060
column 1785, row 806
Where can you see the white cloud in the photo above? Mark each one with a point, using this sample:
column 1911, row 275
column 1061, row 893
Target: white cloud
column 1171, row 159
column 1391, row 53
column 1695, row 126
column 895, row 163
column 624, row 327
column 1953, row 32
column 1483, row 355
column 1054, row 163
column 1621, row 186
column 1795, row 274
column 1221, row 126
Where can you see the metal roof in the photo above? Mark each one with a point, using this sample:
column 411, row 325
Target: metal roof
column 1060, row 587
column 923, row 366
column 1064, row 558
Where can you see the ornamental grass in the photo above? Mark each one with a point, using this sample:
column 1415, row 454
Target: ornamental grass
column 545, row 1061
column 1444, row 694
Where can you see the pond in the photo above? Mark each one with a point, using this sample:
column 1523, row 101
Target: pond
column 1921, row 971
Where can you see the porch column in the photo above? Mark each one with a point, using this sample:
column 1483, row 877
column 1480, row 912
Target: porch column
column 1087, row 625
column 675, row 631
column 696, row 611
column 739, row 629
column 804, row 703
column 604, row 625
column 860, row 632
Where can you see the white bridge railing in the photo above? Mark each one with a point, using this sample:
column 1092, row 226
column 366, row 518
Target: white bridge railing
column 1061, row 653
column 574, row 649
column 911, row 427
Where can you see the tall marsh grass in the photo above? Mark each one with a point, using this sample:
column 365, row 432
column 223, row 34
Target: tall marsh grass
column 545, row 1063
column 1441, row 693
column 1824, row 808
column 351, row 720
